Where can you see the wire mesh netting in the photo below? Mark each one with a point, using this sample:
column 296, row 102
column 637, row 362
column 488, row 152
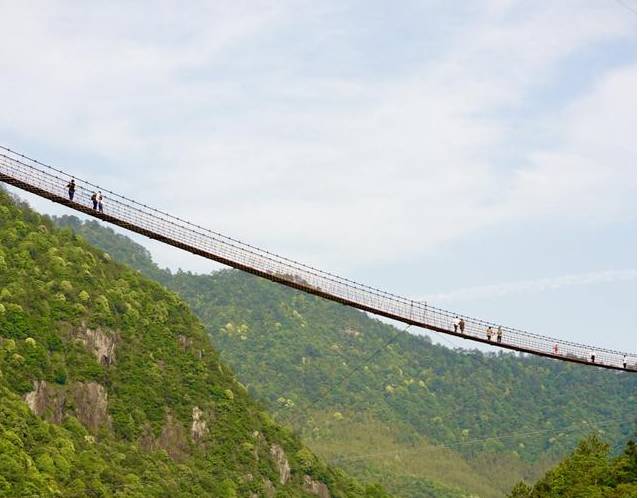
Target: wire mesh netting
column 51, row 183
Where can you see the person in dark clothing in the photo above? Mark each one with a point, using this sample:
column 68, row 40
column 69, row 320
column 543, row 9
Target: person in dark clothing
column 625, row 361
column 71, row 188
column 94, row 199
column 462, row 325
column 499, row 334
column 100, row 204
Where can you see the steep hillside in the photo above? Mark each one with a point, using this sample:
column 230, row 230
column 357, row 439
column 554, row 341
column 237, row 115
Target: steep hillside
column 389, row 404
column 590, row 471
column 109, row 386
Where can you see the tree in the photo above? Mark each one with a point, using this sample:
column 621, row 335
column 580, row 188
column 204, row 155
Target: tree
column 589, row 471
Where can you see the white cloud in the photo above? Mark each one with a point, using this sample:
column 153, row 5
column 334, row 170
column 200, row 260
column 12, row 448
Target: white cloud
column 211, row 115
column 591, row 173
column 531, row 286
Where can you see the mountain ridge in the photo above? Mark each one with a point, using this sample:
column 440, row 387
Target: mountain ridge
column 110, row 386
column 309, row 360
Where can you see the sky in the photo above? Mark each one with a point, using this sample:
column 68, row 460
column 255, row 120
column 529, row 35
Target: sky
column 479, row 155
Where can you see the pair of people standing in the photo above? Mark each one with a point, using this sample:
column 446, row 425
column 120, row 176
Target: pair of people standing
column 490, row 332
column 98, row 201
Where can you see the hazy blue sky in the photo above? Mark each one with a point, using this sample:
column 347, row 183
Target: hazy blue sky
column 480, row 154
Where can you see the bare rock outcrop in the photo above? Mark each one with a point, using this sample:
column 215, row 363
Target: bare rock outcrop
column 100, row 342
column 184, row 342
column 279, row 457
column 173, row 438
column 91, row 405
column 269, row 489
column 147, row 440
column 89, row 400
column 198, row 427
column 47, row 401
column 317, row 488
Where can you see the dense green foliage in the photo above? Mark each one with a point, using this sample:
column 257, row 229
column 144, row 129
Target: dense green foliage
column 308, row 359
column 142, row 403
column 589, row 472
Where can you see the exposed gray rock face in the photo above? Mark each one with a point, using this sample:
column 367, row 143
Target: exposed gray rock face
column 46, row 400
column 100, row 342
column 89, row 400
column 173, row 438
column 317, row 488
column 282, row 463
column 147, row 440
column 259, row 441
column 91, row 405
column 185, row 342
column 269, row 489
column 198, row 427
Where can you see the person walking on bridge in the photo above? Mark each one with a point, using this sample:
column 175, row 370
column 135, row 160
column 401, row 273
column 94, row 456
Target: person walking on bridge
column 71, row 188
column 625, row 361
column 100, row 204
column 489, row 334
column 94, row 199
column 456, row 323
column 499, row 334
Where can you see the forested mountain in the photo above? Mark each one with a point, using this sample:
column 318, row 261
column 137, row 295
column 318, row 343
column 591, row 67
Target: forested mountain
column 425, row 419
column 589, row 472
column 109, row 386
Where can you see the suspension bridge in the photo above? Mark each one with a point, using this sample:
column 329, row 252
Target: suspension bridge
column 51, row 183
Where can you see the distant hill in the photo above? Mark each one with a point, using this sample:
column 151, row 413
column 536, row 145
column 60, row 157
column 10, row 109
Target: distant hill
column 425, row 419
column 109, row 386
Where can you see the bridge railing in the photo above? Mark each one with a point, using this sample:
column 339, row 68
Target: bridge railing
column 144, row 219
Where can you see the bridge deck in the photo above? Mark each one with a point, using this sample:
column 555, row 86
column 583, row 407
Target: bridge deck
column 50, row 183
